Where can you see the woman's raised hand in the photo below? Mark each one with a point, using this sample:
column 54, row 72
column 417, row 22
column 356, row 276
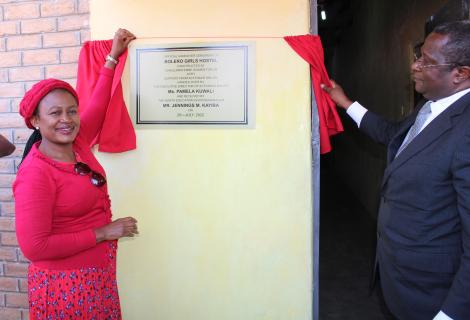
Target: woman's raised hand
column 121, row 40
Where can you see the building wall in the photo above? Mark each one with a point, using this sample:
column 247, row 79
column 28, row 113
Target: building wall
column 372, row 63
column 263, row 239
column 225, row 215
column 38, row 40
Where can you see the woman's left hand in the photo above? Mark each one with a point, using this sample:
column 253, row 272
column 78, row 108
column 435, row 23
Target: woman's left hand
column 121, row 40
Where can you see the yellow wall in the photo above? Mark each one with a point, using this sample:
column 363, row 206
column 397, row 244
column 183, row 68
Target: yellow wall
column 224, row 214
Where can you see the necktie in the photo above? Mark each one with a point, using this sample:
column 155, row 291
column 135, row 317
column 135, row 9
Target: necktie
column 423, row 115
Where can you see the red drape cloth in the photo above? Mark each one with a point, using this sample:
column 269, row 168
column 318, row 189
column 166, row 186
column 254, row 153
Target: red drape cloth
column 309, row 47
column 117, row 133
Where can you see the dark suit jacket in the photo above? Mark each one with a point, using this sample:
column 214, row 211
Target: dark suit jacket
column 423, row 247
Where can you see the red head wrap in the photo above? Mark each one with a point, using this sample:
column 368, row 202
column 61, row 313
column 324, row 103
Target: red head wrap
column 33, row 96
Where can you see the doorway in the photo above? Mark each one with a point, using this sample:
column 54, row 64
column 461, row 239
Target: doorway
column 368, row 48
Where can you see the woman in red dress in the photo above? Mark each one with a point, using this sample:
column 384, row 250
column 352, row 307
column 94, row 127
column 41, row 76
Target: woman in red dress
column 63, row 211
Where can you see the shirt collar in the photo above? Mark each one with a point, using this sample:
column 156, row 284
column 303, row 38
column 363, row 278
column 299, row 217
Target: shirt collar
column 440, row 105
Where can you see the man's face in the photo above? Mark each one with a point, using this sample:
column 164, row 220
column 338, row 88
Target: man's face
column 433, row 78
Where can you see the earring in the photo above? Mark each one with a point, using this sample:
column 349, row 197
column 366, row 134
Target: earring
column 37, row 128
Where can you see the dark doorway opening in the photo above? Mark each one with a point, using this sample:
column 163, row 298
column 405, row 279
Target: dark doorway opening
column 347, row 247
column 368, row 48
column 347, row 231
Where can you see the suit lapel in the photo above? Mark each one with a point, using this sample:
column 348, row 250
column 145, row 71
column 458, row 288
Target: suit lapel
column 397, row 140
column 441, row 124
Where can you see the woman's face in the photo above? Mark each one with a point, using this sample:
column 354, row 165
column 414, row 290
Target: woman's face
column 57, row 117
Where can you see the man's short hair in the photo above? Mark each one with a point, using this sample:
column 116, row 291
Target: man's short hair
column 457, row 49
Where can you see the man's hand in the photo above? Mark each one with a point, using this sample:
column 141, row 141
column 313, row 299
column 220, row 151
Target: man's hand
column 337, row 95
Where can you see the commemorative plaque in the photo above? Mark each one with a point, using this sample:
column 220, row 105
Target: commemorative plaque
column 193, row 84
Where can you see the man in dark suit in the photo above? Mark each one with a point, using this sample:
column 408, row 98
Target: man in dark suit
column 423, row 245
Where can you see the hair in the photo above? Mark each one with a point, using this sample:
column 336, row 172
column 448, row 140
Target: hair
column 36, row 135
column 33, row 138
column 457, row 48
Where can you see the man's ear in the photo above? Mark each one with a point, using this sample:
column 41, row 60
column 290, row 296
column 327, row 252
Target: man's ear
column 462, row 75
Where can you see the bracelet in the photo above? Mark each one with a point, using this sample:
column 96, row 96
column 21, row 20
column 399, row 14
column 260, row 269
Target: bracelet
column 110, row 58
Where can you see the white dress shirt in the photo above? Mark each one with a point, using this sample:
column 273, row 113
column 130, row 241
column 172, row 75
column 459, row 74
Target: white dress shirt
column 356, row 111
column 442, row 316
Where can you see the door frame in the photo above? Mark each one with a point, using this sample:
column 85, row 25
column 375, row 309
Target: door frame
column 315, row 176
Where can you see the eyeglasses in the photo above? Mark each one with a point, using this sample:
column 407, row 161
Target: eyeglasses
column 418, row 61
column 84, row 170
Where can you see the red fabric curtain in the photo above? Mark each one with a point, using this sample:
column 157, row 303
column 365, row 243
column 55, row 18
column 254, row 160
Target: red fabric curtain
column 309, row 47
column 117, row 133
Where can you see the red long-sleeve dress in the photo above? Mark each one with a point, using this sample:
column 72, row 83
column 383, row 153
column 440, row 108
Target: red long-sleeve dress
column 57, row 210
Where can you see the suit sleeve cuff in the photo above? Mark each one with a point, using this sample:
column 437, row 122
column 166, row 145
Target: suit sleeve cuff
column 356, row 111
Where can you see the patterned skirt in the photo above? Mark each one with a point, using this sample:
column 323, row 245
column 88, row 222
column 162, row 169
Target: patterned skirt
column 88, row 293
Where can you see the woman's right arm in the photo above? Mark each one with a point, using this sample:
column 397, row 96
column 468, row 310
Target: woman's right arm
column 35, row 193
